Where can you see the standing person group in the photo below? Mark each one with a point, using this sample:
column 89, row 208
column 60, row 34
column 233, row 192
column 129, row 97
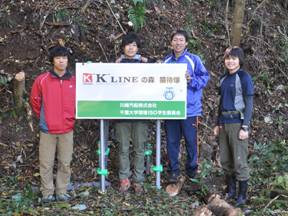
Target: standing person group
column 53, row 100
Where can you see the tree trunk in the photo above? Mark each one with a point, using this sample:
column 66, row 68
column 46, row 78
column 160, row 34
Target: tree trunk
column 18, row 89
column 238, row 16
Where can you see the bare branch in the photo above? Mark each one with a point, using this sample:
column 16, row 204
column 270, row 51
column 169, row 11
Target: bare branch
column 226, row 22
column 115, row 17
column 254, row 12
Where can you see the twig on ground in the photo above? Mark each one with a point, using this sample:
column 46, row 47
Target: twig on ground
column 205, row 125
column 3, row 144
column 275, row 198
column 103, row 51
column 58, row 24
column 254, row 12
column 86, row 5
column 115, row 17
column 44, row 19
column 283, row 72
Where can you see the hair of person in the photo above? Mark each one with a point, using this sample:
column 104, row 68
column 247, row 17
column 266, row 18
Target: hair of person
column 58, row 51
column 179, row 32
column 130, row 38
column 235, row 52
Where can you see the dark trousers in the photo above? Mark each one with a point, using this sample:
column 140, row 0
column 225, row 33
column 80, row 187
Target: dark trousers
column 175, row 129
column 137, row 132
column 233, row 152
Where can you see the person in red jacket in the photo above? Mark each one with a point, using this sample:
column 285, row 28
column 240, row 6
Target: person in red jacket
column 53, row 101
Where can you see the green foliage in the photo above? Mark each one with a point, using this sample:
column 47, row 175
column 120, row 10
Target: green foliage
column 210, row 28
column 206, row 169
column 187, row 2
column 136, row 14
column 269, row 168
column 263, row 162
column 4, row 79
column 5, row 18
column 264, row 78
column 282, row 46
column 194, row 44
column 281, row 182
column 17, row 202
column 61, row 15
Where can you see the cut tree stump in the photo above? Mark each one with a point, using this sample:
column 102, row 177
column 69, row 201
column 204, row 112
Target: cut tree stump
column 218, row 207
column 19, row 89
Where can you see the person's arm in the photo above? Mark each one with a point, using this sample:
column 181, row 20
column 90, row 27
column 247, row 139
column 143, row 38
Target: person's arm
column 36, row 97
column 244, row 131
column 248, row 110
column 248, row 92
column 218, row 126
column 248, row 89
column 200, row 76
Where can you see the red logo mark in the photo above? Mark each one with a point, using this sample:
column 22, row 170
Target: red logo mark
column 87, row 78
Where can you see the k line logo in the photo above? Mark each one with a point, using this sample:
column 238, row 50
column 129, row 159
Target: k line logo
column 87, row 78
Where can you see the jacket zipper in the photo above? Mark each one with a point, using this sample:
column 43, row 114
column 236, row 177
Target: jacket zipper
column 62, row 106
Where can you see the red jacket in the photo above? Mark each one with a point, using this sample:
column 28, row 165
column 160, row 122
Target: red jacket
column 53, row 100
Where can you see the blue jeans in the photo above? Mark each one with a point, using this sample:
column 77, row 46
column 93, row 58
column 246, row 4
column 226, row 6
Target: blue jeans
column 174, row 131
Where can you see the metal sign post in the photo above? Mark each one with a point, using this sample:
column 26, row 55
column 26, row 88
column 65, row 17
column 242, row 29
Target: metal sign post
column 158, row 169
column 103, row 149
column 102, row 154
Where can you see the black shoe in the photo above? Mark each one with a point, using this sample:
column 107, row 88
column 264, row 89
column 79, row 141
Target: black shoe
column 192, row 175
column 231, row 187
column 242, row 195
column 173, row 178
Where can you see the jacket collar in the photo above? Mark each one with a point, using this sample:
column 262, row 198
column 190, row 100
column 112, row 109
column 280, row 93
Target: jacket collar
column 183, row 54
column 136, row 58
column 66, row 76
column 228, row 74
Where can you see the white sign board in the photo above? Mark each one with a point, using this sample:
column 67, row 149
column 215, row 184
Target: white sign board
column 130, row 91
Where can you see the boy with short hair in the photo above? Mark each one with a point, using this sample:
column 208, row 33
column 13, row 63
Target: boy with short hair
column 197, row 78
column 53, row 101
column 134, row 130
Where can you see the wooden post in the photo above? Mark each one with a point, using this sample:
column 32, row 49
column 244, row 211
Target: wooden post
column 19, row 88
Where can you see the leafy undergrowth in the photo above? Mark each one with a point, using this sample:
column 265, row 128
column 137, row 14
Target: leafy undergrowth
column 25, row 201
column 269, row 168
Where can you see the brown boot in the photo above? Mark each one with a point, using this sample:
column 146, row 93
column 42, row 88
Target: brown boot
column 138, row 188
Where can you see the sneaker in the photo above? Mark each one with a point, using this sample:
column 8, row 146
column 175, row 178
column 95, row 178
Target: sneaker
column 173, row 178
column 124, row 185
column 138, row 188
column 48, row 199
column 63, row 197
